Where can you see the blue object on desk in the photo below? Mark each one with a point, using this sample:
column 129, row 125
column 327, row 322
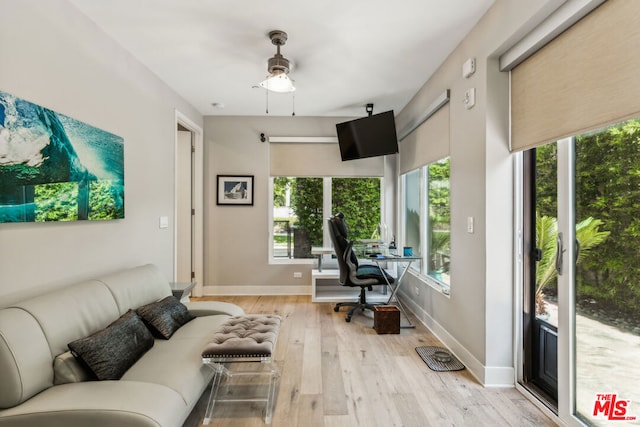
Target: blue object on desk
column 407, row 251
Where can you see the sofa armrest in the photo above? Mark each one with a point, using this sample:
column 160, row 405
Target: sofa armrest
column 100, row 404
column 210, row 308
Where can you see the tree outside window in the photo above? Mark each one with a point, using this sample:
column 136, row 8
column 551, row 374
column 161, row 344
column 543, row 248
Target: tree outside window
column 300, row 211
column 359, row 200
column 429, row 212
column 439, row 222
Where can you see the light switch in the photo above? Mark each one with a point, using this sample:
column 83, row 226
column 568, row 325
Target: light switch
column 470, row 98
column 164, row 222
column 469, row 224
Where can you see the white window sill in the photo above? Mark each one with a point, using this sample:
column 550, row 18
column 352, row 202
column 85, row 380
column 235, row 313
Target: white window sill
column 432, row 283
column 293, row 261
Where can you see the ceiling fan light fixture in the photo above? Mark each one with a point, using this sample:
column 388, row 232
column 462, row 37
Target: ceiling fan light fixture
column 278, row 82
column 278, row 67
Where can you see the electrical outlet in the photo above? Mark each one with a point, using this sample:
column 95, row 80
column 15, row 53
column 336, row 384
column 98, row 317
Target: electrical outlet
column 417, row 291
column 297, row 275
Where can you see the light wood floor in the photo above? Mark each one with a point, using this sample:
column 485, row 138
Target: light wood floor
column 335, row 373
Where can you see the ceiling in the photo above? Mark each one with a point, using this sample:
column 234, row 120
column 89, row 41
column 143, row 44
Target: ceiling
column 344, row 53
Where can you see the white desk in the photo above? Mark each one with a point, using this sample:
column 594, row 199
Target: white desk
column 394, row 289
column 320, row 252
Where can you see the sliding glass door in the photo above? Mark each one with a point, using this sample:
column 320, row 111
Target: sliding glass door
column 581, row 313
column 607, row 274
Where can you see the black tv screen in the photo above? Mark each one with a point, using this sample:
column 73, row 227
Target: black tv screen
column 370, row 136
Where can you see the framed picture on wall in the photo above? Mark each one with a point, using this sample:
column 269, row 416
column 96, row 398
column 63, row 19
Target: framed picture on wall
column 235, row 190
column 56, row 168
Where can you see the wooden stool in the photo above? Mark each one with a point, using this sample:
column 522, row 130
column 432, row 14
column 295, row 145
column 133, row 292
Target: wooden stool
column 245, row 339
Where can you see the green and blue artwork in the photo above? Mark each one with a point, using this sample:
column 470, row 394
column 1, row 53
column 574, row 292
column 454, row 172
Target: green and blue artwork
column 56, row 168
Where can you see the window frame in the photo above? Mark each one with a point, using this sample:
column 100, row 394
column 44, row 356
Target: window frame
column 415, row 267
column 420, row 270
column 326, row 209
column 428, row 224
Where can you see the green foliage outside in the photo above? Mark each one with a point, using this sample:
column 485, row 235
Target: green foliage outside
column 587, row 233
column 306, row 202
column 439, row 194
column 607, row 188
column 280, row 239
column 439, row 218
column 359, row 200
column 280, row 184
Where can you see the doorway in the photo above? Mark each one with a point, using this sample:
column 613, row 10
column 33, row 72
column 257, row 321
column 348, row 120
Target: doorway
column 185, row 149
column 188, row 209
column 540, row 312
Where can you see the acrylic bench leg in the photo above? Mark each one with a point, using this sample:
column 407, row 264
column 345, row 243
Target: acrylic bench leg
column 271, row 397
column 215, row 384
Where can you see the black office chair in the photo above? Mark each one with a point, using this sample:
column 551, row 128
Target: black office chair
column 352, row 274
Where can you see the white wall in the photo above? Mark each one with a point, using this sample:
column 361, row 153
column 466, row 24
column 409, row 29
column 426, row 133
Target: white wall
column 476, row 321
column 236, row 237
column 52, row 55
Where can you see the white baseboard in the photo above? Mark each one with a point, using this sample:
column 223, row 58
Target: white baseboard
column 256, row 290
column 487, row 376
column 501, row 376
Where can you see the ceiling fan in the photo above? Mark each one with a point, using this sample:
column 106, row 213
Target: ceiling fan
column 278, row 66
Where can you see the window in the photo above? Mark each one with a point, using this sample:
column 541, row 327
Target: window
column 439, row 220
column 301, row 206
column 412, row 211
column 426, row 220
column 297, row 216
column 359, row 200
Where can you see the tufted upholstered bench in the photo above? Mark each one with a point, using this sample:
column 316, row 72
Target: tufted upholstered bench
column 246, row 339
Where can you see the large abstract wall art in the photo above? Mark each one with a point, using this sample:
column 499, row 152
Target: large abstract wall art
column 55, row 168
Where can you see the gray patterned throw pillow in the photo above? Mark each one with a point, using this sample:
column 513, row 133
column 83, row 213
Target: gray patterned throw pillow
column 109, row 353
column 166, row 316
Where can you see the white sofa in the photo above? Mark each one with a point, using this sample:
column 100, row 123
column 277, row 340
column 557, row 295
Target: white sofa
column 160, row 389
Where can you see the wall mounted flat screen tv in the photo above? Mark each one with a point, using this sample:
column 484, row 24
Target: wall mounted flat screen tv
column 370, row 136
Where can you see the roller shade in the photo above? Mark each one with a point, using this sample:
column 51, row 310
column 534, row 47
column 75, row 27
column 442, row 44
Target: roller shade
column 428, row 143
column 316, row 159
column 586, row 78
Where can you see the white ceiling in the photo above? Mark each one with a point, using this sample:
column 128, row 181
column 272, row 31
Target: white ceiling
column 345, row 53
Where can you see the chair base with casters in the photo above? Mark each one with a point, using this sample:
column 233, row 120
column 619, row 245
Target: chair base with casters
column 361, row 304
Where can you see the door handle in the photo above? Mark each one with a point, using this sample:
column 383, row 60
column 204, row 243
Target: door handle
column 559, row 254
